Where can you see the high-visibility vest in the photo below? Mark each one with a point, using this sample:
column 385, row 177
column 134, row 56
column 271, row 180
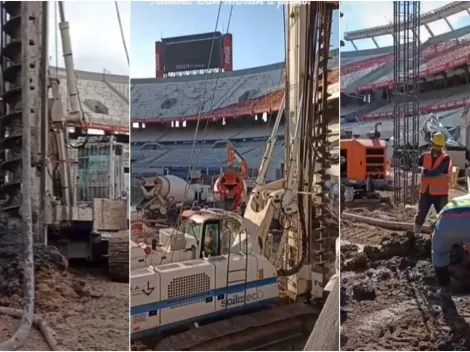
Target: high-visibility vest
column 438, row 185
column 456, row 206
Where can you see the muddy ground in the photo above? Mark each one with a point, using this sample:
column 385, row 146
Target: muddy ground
column 86, row 310
column 387, row 283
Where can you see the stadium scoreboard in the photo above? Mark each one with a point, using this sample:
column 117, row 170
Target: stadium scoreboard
column 193, row 52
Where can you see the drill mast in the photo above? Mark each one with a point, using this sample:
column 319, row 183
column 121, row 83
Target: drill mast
column 24, row 77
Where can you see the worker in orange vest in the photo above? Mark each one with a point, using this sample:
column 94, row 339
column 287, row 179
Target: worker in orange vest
column 434, row 189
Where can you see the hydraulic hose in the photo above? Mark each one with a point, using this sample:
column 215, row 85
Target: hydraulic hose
column 38, row 322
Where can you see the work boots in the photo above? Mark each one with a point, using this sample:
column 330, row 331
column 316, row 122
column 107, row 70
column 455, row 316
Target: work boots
column 444, row 293
column 417, row 229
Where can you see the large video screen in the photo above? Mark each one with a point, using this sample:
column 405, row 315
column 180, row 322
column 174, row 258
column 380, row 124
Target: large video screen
column 192, row 52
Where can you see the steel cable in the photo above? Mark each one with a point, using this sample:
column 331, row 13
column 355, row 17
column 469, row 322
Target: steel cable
column 201, row 105
column 213, row 97
column 122, row 32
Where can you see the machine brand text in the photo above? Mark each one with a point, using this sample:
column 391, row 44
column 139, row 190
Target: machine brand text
column 139, row 318
column 242, row 298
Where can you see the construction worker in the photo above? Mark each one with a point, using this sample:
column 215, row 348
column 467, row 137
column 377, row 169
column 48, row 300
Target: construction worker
column 434, row 188
column 451, row 227
column 210, row 244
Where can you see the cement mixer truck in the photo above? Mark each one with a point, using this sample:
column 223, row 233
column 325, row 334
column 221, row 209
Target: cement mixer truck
column 165, row 197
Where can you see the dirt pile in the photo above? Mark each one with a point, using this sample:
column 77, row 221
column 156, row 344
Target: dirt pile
column 392, row 306
column 86, row 310
column 46, row 260
column 394, row 244
column 55, row 286
column 388, row 287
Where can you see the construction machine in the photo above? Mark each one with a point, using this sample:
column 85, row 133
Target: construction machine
column 77, row 187
column 365, row 165
column 186, row 243
column 243, row 273
column 166, row 196
column 230, row 187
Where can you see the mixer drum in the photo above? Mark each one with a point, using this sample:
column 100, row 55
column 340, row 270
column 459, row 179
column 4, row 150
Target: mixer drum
column 173, row 189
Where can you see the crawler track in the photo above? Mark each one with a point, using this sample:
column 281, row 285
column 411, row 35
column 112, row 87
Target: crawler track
column 267, row 329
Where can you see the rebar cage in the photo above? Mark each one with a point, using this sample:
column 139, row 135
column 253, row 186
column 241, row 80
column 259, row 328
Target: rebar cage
column 406, row 24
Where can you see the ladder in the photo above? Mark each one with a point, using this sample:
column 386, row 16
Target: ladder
column 239, row 275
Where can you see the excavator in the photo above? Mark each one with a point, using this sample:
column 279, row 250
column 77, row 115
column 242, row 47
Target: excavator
column 230, row 186
column 248, row 270
column 47, row 198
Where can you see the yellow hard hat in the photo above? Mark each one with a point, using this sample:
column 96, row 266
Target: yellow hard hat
column 438, row 140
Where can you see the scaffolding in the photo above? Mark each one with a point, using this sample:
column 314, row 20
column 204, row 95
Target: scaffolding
column 406, row 45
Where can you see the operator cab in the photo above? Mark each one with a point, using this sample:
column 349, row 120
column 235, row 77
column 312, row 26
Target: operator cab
column 213, row 234
column 207, row 235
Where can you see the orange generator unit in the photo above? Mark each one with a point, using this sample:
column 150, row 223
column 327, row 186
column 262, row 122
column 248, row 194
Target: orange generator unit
column 364, row 165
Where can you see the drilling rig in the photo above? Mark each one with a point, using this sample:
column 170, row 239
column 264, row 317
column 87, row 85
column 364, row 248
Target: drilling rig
column 70, row 207
column 253, row 272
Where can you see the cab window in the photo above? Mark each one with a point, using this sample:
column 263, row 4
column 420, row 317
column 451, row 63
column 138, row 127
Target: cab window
column 211, row 245
column 193, row 228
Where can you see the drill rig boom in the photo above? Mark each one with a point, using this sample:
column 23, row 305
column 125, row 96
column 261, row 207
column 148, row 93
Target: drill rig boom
column 300, row 197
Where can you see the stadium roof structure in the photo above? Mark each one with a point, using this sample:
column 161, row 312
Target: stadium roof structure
column 440, row 56
column 426, row 18
column 225, row 95
column 104, row 99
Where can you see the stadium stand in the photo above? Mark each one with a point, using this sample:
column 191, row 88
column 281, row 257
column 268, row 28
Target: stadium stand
column 181, row 96
column 243, row 111
column 104, row 98
column 367, row 79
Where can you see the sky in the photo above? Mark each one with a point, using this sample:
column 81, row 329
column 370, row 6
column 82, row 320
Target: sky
column 258, row 31
column 360, row 15
column 95, row 35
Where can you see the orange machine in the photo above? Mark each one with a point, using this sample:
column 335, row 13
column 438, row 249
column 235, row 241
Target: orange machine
column 364, row 164
column 231, row 186
column 231, row 155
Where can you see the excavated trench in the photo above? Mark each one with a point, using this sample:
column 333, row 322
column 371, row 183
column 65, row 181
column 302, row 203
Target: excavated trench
column 387, row 287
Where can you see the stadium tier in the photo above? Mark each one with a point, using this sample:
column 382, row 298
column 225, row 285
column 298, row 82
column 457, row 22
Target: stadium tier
column 238, row 106
column 367, row 78
column 104, row 99
column 177, row 97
